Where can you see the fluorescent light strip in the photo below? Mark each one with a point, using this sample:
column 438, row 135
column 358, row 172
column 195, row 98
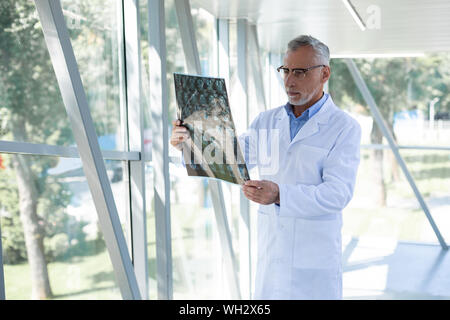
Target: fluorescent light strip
column 378, row 55
column 354, row 14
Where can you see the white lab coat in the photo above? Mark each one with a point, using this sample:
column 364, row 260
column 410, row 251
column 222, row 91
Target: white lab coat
column 299, row 242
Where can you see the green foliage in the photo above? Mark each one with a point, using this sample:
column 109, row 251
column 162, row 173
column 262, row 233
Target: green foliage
column 13, row 242
column 63, row 233
column 29, row 89
column 93, row 32
column 31, row 110
column 396, row 83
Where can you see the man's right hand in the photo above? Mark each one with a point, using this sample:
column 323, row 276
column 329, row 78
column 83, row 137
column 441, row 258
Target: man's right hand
column 179, row 134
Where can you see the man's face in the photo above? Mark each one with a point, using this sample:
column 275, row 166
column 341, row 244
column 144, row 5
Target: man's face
column 303, row 91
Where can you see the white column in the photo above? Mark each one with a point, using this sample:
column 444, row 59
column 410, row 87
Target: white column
column 160, row 147
column 244, row 224
column 135, row 118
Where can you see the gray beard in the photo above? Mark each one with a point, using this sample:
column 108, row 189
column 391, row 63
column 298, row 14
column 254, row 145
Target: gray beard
column 302, row 101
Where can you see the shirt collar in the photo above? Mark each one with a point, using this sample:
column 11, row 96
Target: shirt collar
column 311, row 111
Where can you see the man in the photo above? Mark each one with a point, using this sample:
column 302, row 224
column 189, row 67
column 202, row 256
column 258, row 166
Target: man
column 301, row 201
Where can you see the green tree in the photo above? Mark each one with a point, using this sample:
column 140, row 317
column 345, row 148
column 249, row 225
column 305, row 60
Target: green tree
column 28, row 93
column 396, row 84
column 31, row 110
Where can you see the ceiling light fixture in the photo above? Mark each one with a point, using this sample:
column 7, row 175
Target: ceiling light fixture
column 378, row 55
column 354, row 14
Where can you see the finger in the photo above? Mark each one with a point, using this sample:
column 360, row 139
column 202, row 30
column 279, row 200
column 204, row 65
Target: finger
column 257, row 195
column 249, row 192
column 175, row 138
column 176, row 135
column 180, row 129
column 176, row 122
column 250, row 197
column 246, row 194
column 246, row 191
column 176, row 141
column 254, row 193
column 250, row 187
column 255, row 199
column 254, row 183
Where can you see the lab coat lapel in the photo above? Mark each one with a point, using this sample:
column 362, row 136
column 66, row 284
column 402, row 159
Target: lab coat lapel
column 284, row 130
column 312, row 126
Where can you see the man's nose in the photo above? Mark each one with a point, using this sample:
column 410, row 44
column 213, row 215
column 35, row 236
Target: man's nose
column 289, row 80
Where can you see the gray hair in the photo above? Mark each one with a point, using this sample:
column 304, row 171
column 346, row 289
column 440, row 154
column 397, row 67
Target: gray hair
column 321, row 49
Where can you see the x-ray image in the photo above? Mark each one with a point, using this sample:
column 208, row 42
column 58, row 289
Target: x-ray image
column 213, row 150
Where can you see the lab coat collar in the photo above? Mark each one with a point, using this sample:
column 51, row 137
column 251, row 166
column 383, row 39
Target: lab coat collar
column 311, row 126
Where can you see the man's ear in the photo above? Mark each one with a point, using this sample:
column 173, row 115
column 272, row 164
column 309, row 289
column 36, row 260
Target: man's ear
column 326, row 73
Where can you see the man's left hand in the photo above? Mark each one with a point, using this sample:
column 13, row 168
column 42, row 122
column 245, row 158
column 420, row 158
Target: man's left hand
column 262, row 191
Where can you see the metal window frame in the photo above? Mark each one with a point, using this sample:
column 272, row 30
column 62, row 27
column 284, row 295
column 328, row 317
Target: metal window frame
column 256, row 68
column 223, row 71
column 135, row 142
column 60, row 151
column 188, row 39
column 365, row 92
column 66, row 70
column 121, row 50
column 384, row 146
column 245, row 252
column 276, row 85
column 160, row 147
column 216, row 187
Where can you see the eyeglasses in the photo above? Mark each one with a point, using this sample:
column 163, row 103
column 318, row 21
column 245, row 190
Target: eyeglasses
column 299, row 73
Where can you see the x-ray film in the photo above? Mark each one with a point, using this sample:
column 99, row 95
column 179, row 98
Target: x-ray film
column 213, row 149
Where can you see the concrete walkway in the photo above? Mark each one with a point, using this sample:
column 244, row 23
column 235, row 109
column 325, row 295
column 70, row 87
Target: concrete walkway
column 382, row 268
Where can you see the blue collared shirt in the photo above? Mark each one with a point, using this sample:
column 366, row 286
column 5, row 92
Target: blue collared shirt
column 295, row 124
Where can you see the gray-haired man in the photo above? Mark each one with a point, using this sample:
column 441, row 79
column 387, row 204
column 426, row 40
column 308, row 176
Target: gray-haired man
column 301, row 203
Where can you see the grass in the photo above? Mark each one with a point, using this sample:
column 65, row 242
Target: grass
column 403, row 218
column 84, row 278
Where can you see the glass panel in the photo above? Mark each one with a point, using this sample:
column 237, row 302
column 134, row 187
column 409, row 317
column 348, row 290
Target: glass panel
column 387, row 207
column 385, row 231
column 175, row 56
column 151, row 232
column 145, row 76
column 31, row 108
column 235, row 92
column 149, row 192
column 47, row 212
column 206, row 36
column 94, row 33
column 256, row 93
column 197, row 254
column 194, row 249
column 411, row 93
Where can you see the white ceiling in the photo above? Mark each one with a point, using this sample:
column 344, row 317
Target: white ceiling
column 406, row 26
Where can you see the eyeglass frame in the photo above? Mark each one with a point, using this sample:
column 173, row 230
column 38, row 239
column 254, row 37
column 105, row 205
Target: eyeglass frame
column 303, row 70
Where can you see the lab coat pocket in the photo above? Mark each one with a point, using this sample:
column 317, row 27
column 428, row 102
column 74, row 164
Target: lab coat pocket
column 309, row 161
column 316, row 244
